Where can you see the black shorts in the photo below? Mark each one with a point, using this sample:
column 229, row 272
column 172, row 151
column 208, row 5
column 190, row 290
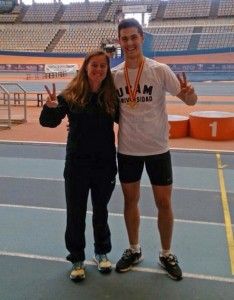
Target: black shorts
column 158, row 168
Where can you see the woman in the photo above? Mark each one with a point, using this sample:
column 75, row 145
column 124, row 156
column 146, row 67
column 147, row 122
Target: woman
column 89, row 101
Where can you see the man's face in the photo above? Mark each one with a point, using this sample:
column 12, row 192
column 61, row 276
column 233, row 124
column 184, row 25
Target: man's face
column 131, row 42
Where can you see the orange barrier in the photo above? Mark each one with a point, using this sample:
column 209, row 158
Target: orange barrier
column 179, row 126
column 212, row 125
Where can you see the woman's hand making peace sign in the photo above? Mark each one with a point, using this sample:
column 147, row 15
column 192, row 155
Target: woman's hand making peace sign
column 187, row 93
column 51, row 100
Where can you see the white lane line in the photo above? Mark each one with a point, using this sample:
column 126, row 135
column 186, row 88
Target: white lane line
column 33, row 256
column 110, row 214
column 32, row 143
column 117, row 183
column 34, row 178
column 33, row 207
column 202, row 150
column 136, row 269
column 64, row 144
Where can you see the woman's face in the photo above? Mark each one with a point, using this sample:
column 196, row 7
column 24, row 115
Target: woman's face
column 97, row 69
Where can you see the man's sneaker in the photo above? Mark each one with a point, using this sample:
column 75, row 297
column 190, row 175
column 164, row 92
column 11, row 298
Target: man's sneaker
column 128, row 260
column 78, row 271
column 170, row 264
column 103, row 263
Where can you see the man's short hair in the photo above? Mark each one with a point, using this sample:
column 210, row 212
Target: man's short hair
column 126, row 23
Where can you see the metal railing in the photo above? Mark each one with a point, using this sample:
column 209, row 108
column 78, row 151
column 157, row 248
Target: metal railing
column 6, row 106
column 7, row 103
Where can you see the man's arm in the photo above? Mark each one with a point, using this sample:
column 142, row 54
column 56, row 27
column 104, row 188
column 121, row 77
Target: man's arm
column 187, row 93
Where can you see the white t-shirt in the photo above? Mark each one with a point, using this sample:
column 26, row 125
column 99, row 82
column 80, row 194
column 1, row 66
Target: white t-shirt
column 143, row 128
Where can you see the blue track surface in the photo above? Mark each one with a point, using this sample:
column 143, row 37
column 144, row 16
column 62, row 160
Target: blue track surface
column 32, row 224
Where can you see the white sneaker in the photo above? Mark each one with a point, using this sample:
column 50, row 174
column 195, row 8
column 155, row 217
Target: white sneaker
column 78, row 271
column 103, row 263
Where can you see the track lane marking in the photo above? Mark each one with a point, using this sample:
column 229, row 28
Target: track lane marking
column 64, row 144
column 136, row 269
column 53, row 209
column 117, row 183
column 226, row 212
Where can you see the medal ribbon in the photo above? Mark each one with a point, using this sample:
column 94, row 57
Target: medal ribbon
column 133, row 93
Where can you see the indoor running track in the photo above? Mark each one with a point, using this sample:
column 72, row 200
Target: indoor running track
column 32, row 224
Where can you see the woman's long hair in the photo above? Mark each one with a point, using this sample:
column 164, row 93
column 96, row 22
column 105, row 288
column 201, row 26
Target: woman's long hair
column 78, row 91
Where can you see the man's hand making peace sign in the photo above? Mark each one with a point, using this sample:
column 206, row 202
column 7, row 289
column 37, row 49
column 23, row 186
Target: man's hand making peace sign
column 187, row 93
column 51, row 100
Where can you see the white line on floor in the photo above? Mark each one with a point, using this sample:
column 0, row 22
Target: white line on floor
column 110, row 214
column 117, row 183
column 64, row 144
column 136, row 269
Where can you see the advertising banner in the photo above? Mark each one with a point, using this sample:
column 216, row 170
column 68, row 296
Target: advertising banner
column 134, row 9
column 56, row 68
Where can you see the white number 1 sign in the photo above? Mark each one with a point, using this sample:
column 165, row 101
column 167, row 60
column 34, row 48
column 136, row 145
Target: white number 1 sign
column 213, row 126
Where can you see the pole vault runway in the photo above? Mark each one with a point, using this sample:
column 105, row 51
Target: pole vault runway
column 32, row 225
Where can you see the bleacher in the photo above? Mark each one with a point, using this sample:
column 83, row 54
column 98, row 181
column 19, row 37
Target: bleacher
column 82, row 38
column 177, row 9
column 41, row 13
column 216, row 37
column 6, row 6
column 226, row 8
column 170, row 38
column 8, row 18
column 81, row 27
column 82, row 12
column 35, row 38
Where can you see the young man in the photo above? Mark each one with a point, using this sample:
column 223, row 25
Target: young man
column 141, row 85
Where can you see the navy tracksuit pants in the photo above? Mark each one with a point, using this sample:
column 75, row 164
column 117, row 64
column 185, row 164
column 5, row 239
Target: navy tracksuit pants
column 80, row 178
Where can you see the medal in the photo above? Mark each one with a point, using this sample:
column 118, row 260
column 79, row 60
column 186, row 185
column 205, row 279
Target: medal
column 133, row 93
